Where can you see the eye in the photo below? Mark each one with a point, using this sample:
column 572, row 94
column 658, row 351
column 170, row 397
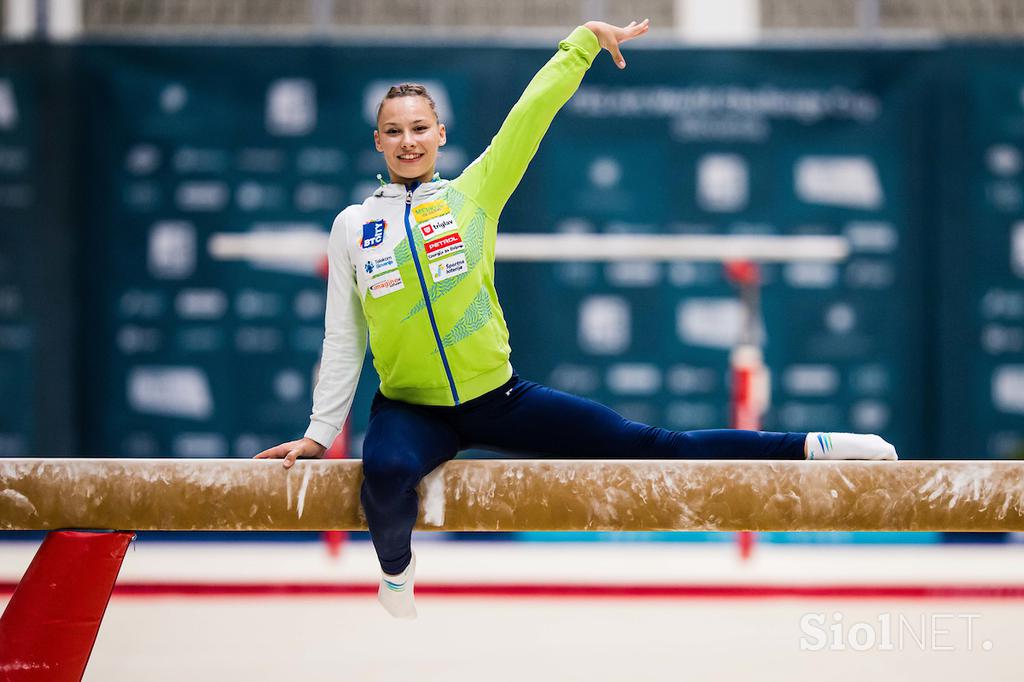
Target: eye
column 420, row 129
column 391, row 131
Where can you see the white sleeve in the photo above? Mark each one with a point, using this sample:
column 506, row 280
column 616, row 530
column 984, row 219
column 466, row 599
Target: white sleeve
column 344, row 343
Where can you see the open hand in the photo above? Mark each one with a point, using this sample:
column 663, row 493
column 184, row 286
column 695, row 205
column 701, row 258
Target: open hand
column 610, row 37
column 292, row 450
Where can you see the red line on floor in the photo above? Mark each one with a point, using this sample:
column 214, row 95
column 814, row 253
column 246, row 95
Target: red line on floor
column 574, row 591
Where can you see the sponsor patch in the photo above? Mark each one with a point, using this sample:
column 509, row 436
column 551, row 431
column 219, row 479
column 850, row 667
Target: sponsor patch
column 437, row 226
column 386, row 284
column 380, row 264
column 449, row 267
column 444, row 246
column 373, row 234
column 429, row 210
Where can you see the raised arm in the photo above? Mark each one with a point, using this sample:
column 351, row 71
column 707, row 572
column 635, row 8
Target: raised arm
column 495, row 174
column 342, row 360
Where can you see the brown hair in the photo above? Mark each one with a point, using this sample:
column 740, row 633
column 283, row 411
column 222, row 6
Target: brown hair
column 407, row 90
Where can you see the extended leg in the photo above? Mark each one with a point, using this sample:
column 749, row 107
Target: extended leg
column 529, row 418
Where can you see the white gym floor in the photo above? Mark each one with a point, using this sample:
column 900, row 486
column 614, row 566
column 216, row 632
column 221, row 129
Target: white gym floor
column 594, row 612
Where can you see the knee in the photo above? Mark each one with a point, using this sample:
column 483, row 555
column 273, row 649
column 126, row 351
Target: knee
column 394, row 469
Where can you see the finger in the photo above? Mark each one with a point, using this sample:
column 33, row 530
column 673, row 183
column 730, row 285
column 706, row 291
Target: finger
column 636, row 29
column 276, row 452
column 630, row 32
column 290, row 458
column 617, row 56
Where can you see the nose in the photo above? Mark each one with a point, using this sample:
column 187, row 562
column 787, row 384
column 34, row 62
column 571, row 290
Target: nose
column 408, row 141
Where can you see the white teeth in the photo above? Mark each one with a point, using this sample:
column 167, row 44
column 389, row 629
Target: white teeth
column 410, row 156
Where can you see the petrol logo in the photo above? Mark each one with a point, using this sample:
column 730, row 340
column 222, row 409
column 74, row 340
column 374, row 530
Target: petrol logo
column 444, row 246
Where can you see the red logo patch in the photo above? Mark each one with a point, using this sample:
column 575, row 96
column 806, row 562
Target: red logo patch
column 438, row 244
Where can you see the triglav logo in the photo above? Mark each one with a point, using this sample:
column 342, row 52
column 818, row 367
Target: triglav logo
column 438, row 226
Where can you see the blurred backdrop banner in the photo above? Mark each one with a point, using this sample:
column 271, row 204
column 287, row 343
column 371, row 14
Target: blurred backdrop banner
column 121, row 336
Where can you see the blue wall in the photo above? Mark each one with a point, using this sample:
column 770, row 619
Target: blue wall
column 914, row 155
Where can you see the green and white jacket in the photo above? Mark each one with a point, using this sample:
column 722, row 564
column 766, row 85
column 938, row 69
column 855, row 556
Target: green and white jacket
column 414, row 267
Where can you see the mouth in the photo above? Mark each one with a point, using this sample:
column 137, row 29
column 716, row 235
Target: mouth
column 410, row 158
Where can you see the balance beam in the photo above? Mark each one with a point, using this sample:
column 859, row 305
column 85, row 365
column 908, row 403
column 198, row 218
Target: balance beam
column 518, row 495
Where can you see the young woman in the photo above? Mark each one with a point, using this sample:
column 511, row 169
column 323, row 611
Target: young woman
column 413, row 267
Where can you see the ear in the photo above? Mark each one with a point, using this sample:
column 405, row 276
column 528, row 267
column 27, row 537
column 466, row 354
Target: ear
column 376, row 141
column 442, row 134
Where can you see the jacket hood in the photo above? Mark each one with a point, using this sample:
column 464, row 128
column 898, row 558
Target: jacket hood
column 393, row 190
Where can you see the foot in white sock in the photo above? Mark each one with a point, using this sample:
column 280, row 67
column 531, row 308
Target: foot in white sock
column 847, row 446
column 396, row 592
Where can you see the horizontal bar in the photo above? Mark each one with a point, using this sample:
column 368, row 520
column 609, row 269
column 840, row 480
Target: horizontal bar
column 668, row 247
column 519, row 495
column 308, row 245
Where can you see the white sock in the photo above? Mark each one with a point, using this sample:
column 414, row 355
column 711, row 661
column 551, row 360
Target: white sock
column 820, row 445
column 396, row 592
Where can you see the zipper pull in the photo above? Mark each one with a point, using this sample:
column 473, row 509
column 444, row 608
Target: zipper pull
column 408, row 197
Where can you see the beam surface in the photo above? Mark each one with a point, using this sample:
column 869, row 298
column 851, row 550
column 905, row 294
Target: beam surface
column 518, row 495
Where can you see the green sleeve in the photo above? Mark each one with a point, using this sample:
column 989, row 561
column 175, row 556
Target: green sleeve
column 491, row 179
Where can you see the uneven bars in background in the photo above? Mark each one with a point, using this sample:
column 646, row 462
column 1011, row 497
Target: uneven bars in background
column 308, row 246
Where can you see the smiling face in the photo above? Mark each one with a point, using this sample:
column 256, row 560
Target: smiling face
column 409, row 135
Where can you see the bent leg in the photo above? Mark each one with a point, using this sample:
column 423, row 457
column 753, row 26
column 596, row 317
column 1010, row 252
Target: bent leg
column 536, row 419
column 403, row 444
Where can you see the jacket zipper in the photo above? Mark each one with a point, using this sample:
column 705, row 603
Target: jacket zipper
column 426, row 295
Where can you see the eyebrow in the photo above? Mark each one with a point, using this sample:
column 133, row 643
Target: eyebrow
column 392, row 123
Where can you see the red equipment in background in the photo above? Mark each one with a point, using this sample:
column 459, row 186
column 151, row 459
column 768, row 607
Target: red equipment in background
column 334, row 539
column 750, row 379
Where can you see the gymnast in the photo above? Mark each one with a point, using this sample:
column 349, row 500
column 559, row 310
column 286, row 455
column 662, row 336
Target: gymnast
column 413, row 268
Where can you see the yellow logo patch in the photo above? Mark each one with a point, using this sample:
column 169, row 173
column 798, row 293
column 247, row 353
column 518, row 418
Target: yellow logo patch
column 431, row 209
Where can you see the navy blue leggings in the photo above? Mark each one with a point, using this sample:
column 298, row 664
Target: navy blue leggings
column 405, row 442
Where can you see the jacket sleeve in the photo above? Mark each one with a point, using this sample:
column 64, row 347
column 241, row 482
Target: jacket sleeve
column 344, row 343
column 494, row 175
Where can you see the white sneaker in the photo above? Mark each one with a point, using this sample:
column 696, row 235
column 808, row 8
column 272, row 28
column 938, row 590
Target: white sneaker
column 396, row 592
column 848, row 446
